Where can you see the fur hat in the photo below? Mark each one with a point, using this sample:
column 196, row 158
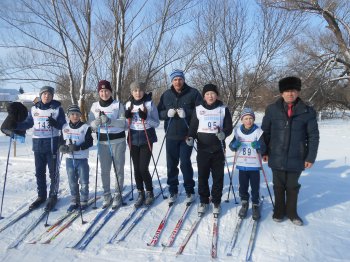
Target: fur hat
column 73, row 109
column 247, row 112
column 137, row 85
column 104, row 84
column 177, row 73
column 210, row 87
column 289, row 83
column 17, row 112
column 46, row 89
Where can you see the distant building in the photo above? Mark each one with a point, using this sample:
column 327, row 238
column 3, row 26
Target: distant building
column 7, row 96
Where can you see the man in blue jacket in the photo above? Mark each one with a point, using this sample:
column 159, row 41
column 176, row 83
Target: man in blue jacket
column 292, row 137
column 175, row 107
column 47, row 118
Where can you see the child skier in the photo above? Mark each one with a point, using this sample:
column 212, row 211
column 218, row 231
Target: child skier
column 47, row 118
column 247, row 144
column 78, row 140
column 210, row 125
column 142, row 117
column 109, row 121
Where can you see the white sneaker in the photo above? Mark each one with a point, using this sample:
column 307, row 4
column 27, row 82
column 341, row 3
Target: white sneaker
column 202, row 208
column 117, row 201
column 106, row 201
column 189, row 198
column 172, row 198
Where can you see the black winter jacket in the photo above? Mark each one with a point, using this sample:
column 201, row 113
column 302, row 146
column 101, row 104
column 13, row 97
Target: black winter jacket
column 187, row 99
column 290, row 141
column 210, row 142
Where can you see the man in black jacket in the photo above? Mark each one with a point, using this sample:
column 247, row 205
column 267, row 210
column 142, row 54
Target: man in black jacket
column 292, row 137
column 175, row 107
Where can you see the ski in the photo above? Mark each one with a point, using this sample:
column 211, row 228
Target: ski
column 177, row 227
column 15, row 219
column 137, row 219
column 161, row 226
column 58, row 222
column 253, row 235
column 27, row 230
column 188, row 236
column 214, row 242
column 97, row 229
column 92, row 224
column 234, row 237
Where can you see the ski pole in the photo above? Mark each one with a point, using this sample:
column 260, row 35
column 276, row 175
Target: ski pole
column 98, row 151
column 155, row 165
column 5, row 177
column 263, row 171
column 112, row 156
column 231, row 177
column 161, row 147
column 131, row 180
column 76, row 176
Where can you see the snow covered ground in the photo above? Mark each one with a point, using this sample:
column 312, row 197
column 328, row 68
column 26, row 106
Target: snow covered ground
column 323, row 205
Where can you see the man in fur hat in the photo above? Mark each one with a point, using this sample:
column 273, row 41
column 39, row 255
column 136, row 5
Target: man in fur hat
column 292, row 137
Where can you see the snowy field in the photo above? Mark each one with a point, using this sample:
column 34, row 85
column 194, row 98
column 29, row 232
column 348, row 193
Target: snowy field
column 324, row 204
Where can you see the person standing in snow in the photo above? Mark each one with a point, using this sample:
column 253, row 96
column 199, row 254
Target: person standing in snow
column 211, row 123
column 142, row 116
column 247, row 143
column 175, row 107
column 47, row 118
column 108, row 119
column 292, row 137
column 77, row 141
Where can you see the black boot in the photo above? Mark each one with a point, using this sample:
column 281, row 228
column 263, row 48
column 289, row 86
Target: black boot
column 140, row 199
column 51, row 203
column 37, row 202
column 149, row 198
column 280, row 204
column 256, row 212
column 244, row 209
column 291, row 206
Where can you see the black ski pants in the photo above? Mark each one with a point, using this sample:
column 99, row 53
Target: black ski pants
column 141, row 157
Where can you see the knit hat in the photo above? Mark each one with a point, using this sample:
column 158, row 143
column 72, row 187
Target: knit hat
column 137, row 85
column 47, row 89
column 73, row 109
column 177, row 73
column 210, row 87
column 247, row 111
column 289, row 83
column 104, row 84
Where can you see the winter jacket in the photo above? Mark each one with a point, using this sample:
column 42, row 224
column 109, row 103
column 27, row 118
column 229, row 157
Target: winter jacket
column 290, row 141
column 43, row 145
column 209, row 142
column 138, row 137
column 187, row 99
column 88, row 141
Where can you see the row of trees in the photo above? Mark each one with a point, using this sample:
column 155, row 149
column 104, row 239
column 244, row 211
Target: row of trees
column 242, row 46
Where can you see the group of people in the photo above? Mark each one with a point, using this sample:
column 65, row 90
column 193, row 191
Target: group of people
column 288, row 139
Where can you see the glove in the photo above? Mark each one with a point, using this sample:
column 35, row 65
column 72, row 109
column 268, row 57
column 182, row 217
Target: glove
column 171, row 112
column 221, row 136
column 181, row 113
column 143, row 114
column 64, row 149
column 189, row 141
column 73, row 147
column 52, row 122
column 128, row 114
column 104, row 119
column 256, row 145
column 235, row 145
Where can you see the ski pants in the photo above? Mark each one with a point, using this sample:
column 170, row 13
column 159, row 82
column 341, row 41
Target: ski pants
column 286, row 179
column 78, row 173
column 215, row 163
column 178, row 151
column 118, row 150
column 141, row 157
column 252, row 177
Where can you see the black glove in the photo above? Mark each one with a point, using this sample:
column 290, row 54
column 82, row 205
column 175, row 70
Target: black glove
column 128, row 114
column 52, row 122
column 64, row 149
column 143, row 114
column 73, row 147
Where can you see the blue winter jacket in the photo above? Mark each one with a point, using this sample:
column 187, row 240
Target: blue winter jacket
column 43, row 145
